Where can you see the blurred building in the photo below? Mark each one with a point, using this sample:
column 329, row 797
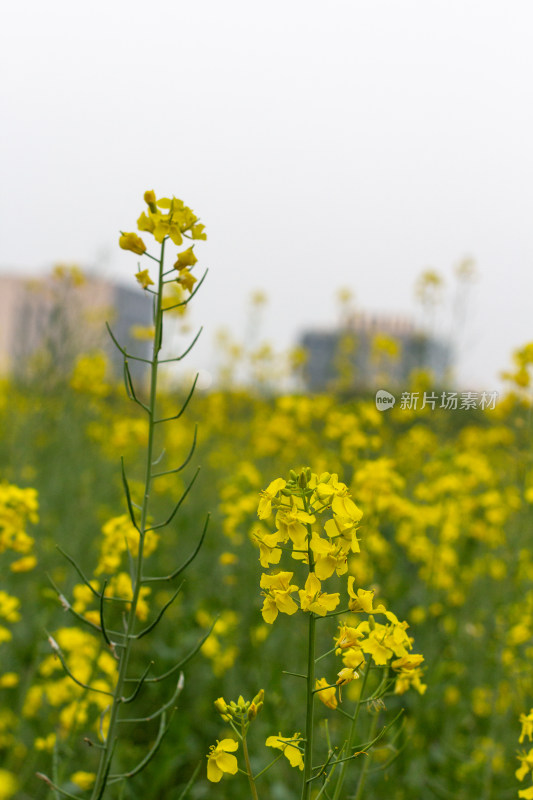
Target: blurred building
column 371, row 350
column 52, row 320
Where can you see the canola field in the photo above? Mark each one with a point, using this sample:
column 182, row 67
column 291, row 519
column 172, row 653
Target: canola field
column 328, row 592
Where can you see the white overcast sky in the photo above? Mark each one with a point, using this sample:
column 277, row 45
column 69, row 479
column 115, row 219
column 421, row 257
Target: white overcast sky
column 323, row 144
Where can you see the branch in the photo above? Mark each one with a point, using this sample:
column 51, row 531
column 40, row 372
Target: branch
column 185, row 352
column 55, row 787
column 102, row 620
column 183, row 661
column 162, row 611
column 163, row 728
column 161, row 710
column 184, row 406
column 78, row 570
column 57, row 650
column 188, row 300
column 130, row 389
column 176, row 507
column 137, row 689
column 185, row 563
column 182, row 466
column 128, row 495
column 123, row 351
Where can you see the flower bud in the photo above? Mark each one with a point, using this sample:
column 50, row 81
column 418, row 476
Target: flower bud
column 252, row 711
column 149, row 199
column 259, row 697
column 221, row 706
column 346, row 675
column 185, row 259
column 130, row 241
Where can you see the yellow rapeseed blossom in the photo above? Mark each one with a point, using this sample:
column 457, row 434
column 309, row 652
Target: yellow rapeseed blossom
column 8, row 680
column 185, row 259
column 526, row 765
column 526, row 721
column 18, row 507
column 326, row 693
column 186, row 279
column 313, row 599
column 8, row 784
column 227, row 559
column 220, row 760
column 84, row 780
column 119, row 535
column 9, row 607
column 267, row 496
column 130, row 241
column 24, row 564
column 278, row 595
column 144, row 333
column 89, row 375
column 143, row 277
column 120, row 586
column 290, row 748
column 362, row 600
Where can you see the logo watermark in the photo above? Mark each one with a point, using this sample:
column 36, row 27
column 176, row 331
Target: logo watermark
column 384, row 400
column 450, row 401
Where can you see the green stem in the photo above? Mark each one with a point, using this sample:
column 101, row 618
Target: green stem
column 310, row 694
column 107, row 751
column 367, row 761
column 351, row 735
column 251, row 780
column 309, row 713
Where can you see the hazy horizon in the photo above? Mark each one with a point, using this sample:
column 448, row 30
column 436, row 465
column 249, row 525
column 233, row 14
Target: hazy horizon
column 353, row 146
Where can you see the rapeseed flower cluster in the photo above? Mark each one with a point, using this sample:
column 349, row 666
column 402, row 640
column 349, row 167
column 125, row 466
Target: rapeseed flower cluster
column 239, row 714
column 526, row 758
column 73, row 707
column 316, row 523
column 447, row 507
column 166, row 218
column 18, row 507
column 324, row 545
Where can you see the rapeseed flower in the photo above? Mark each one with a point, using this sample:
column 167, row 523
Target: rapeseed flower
column 313, row 599
column 326, row 693
column 526, row 764
column 130, row 241
column 8, row 784
column 291, row 522
column 267, row 496
column 329, row 557
column 278, row 596
column 143, row 277
column 220, row 760
column 185, row 259
column 362, row 600
column 289, row 745
column 526, row 720
column 186, row 279
column 269, row 552
column 82, row 779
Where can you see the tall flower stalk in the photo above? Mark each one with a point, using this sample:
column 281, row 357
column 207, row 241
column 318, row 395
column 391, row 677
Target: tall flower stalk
column 316, row 525
column 164, row 219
